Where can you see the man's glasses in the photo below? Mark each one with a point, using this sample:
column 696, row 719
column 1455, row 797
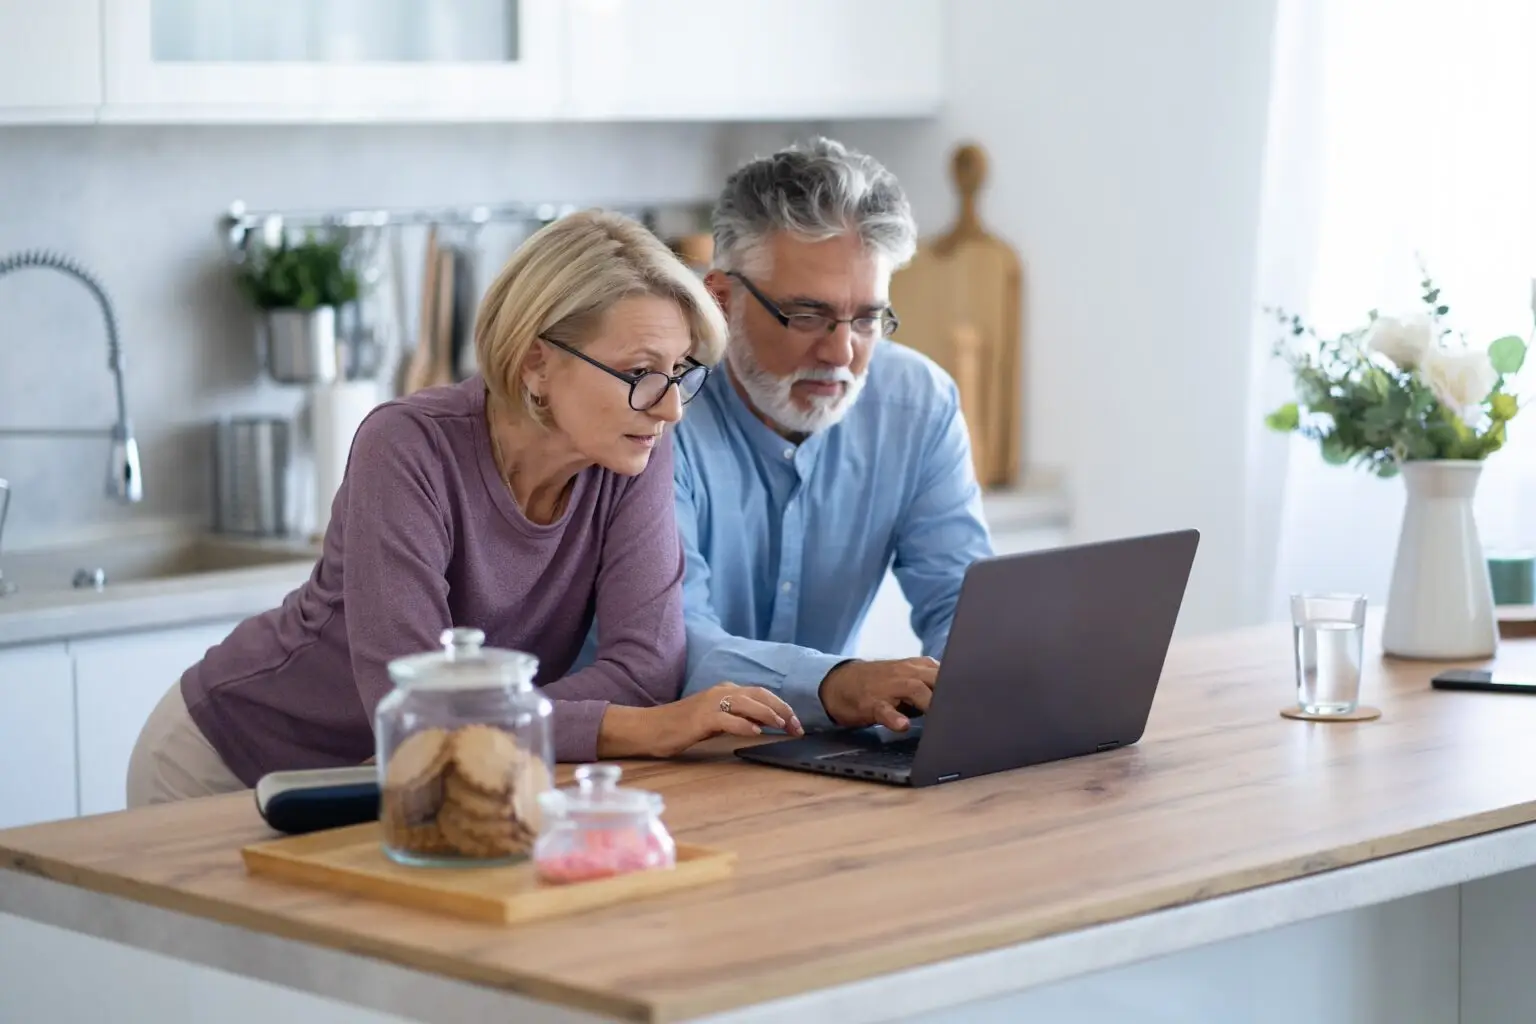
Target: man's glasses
column 648, row 387
column 817, row 325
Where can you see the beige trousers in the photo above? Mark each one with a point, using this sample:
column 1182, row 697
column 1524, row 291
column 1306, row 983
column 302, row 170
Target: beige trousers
column 173, row 760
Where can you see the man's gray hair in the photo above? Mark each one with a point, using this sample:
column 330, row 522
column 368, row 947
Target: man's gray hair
column 816, row 190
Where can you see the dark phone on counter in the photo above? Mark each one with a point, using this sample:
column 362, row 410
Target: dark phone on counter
column 1481, row 679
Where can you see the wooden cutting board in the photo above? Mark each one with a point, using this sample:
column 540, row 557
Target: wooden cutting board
column 350, row 860
column 961, row 302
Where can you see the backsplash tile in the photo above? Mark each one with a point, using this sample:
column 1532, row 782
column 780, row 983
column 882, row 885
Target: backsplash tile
column 139, row 207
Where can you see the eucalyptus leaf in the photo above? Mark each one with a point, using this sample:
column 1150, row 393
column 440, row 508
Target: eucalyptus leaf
column 1507, row 354
column 1286, row 418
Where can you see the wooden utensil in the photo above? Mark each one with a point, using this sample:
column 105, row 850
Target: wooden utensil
column 965, row 287
column 418, row 374
column 441, row 371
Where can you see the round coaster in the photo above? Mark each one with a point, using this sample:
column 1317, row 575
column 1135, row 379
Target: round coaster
column 1362, row 713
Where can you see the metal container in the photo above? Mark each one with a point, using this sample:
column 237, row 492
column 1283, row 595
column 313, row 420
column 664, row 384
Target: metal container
column 299, row 346
column 252, row 460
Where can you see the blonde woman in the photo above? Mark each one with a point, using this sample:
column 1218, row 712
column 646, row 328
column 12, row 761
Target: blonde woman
column 515, row 502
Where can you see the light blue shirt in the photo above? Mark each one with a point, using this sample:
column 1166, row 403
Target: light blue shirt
column 787, row 544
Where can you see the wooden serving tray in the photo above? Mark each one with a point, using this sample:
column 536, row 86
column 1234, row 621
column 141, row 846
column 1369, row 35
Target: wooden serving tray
column 351, row 860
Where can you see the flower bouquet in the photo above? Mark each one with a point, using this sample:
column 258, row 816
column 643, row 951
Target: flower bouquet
column 1407, row 394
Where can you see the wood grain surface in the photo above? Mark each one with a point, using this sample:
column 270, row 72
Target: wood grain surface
column 966, row 284
column 839, row 880
column 352, row 860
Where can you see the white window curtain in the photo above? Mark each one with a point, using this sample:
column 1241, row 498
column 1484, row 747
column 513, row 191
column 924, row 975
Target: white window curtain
column 1400, row 130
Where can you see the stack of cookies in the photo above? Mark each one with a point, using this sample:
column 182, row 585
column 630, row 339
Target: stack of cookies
column 470, row 792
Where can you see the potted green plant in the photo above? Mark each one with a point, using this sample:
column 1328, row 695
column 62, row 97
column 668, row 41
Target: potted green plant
column 297, row 288
column 1408, row 395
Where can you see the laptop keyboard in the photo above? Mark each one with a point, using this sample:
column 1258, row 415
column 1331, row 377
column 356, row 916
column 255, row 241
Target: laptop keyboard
column 897, row 754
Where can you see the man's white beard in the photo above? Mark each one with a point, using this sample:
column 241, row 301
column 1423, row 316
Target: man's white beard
column 772, row 395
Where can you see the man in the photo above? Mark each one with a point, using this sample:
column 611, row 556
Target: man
column 820, row 453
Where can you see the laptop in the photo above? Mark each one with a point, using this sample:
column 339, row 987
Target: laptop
column 1052, row 654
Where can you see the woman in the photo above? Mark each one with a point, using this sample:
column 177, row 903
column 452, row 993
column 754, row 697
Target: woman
column 514, row 502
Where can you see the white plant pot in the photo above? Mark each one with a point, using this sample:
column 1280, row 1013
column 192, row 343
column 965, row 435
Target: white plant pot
column 1440, row 606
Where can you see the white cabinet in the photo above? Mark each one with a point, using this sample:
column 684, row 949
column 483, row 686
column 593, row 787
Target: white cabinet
column 321, row 61
column 752, row 59
column 37, row 734
column 118, row 682
column 50, row 60
column 225, row 61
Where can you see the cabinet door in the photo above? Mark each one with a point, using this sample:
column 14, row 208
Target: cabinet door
column 118, row 682
column 37, row 734
column 332, row 60
column 50, row 61
column 754, row 59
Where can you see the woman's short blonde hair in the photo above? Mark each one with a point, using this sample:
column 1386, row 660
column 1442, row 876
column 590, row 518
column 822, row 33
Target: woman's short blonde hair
column 561, row 281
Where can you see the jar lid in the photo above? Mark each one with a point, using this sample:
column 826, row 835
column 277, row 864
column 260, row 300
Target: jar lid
column 597, row 791
column 465, row 664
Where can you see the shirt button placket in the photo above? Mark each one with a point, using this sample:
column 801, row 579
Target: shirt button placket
column 786, row 605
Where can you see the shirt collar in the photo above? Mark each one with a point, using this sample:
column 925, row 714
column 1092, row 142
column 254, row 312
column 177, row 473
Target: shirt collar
column 769, row 444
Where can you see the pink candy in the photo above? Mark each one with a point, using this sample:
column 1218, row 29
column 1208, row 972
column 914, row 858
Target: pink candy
column 605, row 853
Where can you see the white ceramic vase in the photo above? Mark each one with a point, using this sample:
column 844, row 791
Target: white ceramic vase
column 1440, row 606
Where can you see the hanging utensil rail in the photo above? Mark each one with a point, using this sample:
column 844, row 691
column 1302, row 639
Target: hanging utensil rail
column 239, row 222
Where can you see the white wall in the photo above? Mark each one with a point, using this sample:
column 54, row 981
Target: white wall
column 1126, row 142
column 139, row 206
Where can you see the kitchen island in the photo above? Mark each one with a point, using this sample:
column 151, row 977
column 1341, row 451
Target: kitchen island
column 1233, row 866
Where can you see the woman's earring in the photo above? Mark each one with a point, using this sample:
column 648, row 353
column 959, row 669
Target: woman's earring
column 539, row 401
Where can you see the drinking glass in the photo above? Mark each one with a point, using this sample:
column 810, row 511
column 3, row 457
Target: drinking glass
column 1329, row 635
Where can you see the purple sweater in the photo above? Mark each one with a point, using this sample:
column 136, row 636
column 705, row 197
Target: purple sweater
column 424, row 535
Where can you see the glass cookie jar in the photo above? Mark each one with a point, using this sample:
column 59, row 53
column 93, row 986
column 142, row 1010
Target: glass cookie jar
column 598, row 829
column 464, row 753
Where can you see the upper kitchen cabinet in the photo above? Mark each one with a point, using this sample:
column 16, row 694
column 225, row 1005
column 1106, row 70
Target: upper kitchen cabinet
column 754, row 59
column 228, row 61
column 50, row 61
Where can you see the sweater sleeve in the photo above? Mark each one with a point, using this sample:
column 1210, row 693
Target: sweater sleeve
column 641, row 654
column 396, row 543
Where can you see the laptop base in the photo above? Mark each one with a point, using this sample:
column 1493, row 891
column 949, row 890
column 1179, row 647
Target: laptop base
column 850, row 753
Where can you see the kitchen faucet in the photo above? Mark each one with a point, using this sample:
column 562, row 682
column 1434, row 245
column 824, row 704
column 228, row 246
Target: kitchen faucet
column 123, row 475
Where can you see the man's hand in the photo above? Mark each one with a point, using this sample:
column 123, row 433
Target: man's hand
column 859, row 693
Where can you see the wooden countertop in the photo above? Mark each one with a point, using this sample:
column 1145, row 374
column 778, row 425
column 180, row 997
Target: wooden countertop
column 841, row 880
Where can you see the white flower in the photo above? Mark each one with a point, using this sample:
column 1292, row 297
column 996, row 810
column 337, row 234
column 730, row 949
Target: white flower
column 1460, row 378
column 1405, row 342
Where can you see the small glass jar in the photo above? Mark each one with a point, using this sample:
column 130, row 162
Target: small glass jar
column 596, row 829
column 464, row 754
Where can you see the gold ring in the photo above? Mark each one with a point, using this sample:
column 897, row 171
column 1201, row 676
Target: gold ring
column 725, row 704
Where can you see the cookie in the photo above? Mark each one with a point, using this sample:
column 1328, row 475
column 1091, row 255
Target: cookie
column 484, row 756
column 531, row 779
column 473, row 802
column 424, row 839
column 418, row 758
column 482, row 838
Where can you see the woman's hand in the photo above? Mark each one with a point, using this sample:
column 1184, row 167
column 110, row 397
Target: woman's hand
column 669, row 729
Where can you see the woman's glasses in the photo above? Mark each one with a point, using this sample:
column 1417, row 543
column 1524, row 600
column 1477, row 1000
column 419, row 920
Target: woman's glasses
column 649, row 387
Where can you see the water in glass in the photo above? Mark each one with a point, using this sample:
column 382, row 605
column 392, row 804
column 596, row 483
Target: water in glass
column 1328, row 661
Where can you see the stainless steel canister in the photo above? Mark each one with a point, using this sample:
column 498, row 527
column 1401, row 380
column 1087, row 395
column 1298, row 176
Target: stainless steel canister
column 299, row 346
column 252, row 460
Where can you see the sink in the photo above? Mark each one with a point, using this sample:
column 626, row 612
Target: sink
column 141, row 559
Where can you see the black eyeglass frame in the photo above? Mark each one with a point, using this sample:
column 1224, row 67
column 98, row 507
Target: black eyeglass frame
column 889, row 321
column 635, row 381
